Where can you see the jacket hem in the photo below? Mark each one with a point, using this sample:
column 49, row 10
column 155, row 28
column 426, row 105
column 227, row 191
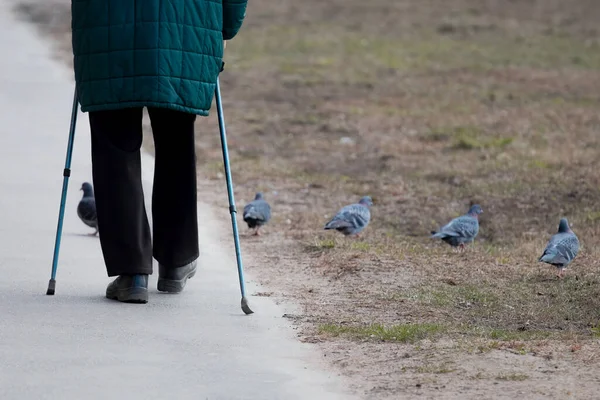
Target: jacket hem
column 132, row 104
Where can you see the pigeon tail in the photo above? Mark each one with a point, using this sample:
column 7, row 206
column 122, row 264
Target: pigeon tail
column 338, row 224
column 252, row 214
column 550, row 256
column 554, row 258
column 441, row 234
column 546, row 257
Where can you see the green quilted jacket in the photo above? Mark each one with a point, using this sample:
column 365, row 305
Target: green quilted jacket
column 151, row 53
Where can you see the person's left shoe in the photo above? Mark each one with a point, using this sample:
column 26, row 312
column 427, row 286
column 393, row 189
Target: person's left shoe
column 173, row 280
column 129, row 289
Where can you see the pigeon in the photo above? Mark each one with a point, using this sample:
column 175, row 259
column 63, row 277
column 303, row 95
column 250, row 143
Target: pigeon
column 352, row 219
column 86, row 209
column 562, row 248
column 460, row 230
column 257, row 213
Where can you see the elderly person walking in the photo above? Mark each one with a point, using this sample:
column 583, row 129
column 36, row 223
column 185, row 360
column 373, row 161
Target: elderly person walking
column 164, row 55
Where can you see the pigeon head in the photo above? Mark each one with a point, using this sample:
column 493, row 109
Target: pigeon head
column 366, row 201
column 259, row 196
column 563, row 226
column 475, row 210
column 87, row 189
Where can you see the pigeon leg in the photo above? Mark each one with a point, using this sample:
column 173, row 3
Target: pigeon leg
column 461, row 247
column 256, row 231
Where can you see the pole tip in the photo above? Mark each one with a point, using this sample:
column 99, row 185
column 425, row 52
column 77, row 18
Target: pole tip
column 245, row 308
column 51, row 287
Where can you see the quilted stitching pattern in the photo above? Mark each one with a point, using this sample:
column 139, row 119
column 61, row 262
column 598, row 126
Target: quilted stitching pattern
column 164, row 53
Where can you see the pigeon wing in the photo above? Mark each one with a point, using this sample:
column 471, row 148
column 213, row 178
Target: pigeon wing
column 86, row 210
column 357, row 215
column 463, row 226
column 565, row 247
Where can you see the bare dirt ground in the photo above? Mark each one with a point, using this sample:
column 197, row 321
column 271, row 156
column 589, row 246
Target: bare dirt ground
column 428, row 106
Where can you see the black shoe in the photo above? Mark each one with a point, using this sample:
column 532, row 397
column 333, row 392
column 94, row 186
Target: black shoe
column 173, row 280
column 129, row 289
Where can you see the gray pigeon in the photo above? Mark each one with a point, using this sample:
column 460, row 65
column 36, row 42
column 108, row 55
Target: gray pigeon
column 562, row 248
column 257, row 213
column 461, row 230
column 353, row 218
column 86, row 209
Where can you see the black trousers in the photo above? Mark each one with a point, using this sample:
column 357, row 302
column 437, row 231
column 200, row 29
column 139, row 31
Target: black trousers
column 127, row 245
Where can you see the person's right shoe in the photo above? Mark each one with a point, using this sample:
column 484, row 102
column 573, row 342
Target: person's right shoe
column 173, row 280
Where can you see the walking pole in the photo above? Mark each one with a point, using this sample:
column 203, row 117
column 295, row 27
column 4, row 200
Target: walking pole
column 238, row 254
column 63, row 199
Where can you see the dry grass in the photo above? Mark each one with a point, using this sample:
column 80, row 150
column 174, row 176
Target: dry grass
column 429, row 107
column 398, row 333
column 427, row 111
column 512, row 377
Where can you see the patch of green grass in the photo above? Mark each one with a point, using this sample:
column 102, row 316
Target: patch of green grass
column 512, row 377
column 539, row 164
column 361, row 246
column 436, row 135
column 507, row 335
column 593, row 216
column 503, row 260
column 595, row 331
column 216, row 166
column 306, row 119
column 565, row 100
column 467, row 137
column 321, row 244
column 478, row 375
column 468, row 142
column 445, row 368
column 465, row 295
column 405, row 333
column 488, row 346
